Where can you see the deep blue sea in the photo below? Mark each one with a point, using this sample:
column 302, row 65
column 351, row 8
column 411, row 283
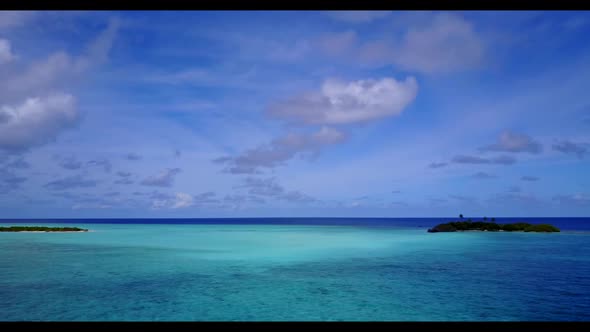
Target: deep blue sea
column 293, row 269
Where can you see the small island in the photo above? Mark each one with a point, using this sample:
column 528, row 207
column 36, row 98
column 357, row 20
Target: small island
column 458, row 226
column 41, row 229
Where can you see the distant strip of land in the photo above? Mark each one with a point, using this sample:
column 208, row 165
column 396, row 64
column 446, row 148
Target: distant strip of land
column 458, row 226
column 41, row 229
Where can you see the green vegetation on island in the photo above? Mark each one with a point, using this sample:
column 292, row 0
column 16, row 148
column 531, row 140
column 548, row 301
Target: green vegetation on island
column 457, row 226
column 41, row 229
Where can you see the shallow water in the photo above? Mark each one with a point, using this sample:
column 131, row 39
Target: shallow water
column 189, row 272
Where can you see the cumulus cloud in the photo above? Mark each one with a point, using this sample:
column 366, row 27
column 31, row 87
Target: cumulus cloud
column 101, row 206
column 59, row 70
column 182, row 200
column 70, row 163
column 133, row 156
column 76, row 181
column 124, row 181
column 36, row 121
column 444, row 43
column 463, row 159
column 104, row 163
column 337, row 103
column 6, row 54
column 286, row 52
column 9, row 181
column 341, row 102
column 501, row 160
column 461, row 198
column 514, row 189
column 518, row 197
column 358, row 16
column 398, row 203
column 124, row 178
column 34, row 108
column 40, row 78
column 14, row 180
column 338, row 43
column 447, row 43
column 574, row 199
column 513, row 142
column 437, row 165
column 280, row 150
column 235, row 201
column 568, row 147
column 14, row 18
column 483, row 176
column 19, row 163
column 163, row 179
column 529, row 178
column 297, row 197
column 82, row 200
column 270, row 188
column 263, row 187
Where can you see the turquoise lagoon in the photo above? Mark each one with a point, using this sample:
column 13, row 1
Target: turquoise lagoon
column 239, row 272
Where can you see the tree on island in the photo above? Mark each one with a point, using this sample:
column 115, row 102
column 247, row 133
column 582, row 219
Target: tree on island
column 461, row 216
column 485, row 218
column 455, row 226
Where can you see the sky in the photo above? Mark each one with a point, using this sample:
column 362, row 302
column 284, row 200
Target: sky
column 164, row 114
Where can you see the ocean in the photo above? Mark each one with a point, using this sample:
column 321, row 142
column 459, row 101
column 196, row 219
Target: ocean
column 293, row 269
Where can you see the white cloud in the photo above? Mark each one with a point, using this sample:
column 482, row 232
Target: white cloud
column 12, row 18
column 575, row 199
column 467, row 159
column 568, row 147
column 6, row 54
column 163, row 179
column 91, row 206
column 288, row 52
column 36, row 121
column 515, row 142
column 39, row 77
column 98, row 51
column 447, row 42
column 280, row 150
column 336, row 103
column 33, row 106
column 341, row 102
column 358, row 16
column 270, row 188
column 338, row 43
column 183, row 200
column 57, row 71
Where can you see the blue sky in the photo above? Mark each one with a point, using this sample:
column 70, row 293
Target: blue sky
column 279, row 114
